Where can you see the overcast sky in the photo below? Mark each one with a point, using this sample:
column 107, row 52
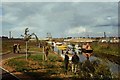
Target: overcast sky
column 61, row 19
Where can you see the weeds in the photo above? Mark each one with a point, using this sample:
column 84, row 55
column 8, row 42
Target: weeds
column 54, row 67
column 106, row 48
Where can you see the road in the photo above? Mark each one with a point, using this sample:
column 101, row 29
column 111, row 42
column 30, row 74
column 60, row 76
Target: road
column 7, row 76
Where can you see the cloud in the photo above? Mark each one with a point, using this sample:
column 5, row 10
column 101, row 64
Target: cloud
column 59, row 18
column 60, row 1
column 76, row 30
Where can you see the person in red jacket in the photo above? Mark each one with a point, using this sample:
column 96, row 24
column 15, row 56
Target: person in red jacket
column 87, row 50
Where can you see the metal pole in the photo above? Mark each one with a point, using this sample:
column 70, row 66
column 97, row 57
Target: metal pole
column 26, row 50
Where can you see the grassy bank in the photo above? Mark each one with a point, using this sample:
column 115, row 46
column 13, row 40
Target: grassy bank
column 35, row 68
column 107, row 50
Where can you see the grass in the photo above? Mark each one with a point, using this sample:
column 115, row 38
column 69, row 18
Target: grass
column 35, row 64
column 36, row 57
column 37, row 68
column 99, row 48
column 21, row 64
column 7, row 46
column 106, row 48
column 108, row 51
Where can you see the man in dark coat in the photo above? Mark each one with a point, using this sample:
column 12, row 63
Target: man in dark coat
column 66, row 61
column 75, row 61
column 14, row 48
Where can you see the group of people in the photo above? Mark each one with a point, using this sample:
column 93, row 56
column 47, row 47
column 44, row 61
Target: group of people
column 16, row 48
column 75, row 61
column 86, row 51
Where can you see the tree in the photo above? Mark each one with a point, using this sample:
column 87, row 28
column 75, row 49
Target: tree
column 27, row 37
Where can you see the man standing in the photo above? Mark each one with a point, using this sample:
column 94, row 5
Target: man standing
column 14, row 48
column 46, row 52
column 52, row 46
column 18, row 48
column 66, row 61
column 75, row 61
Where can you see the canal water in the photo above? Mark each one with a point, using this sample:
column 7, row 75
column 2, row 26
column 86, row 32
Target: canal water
column 114, row 68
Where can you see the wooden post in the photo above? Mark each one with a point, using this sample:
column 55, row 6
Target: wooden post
column 26, row 50
column 43, row 53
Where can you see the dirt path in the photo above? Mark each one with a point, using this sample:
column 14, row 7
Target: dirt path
column 5, row 74
column 11, row 55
